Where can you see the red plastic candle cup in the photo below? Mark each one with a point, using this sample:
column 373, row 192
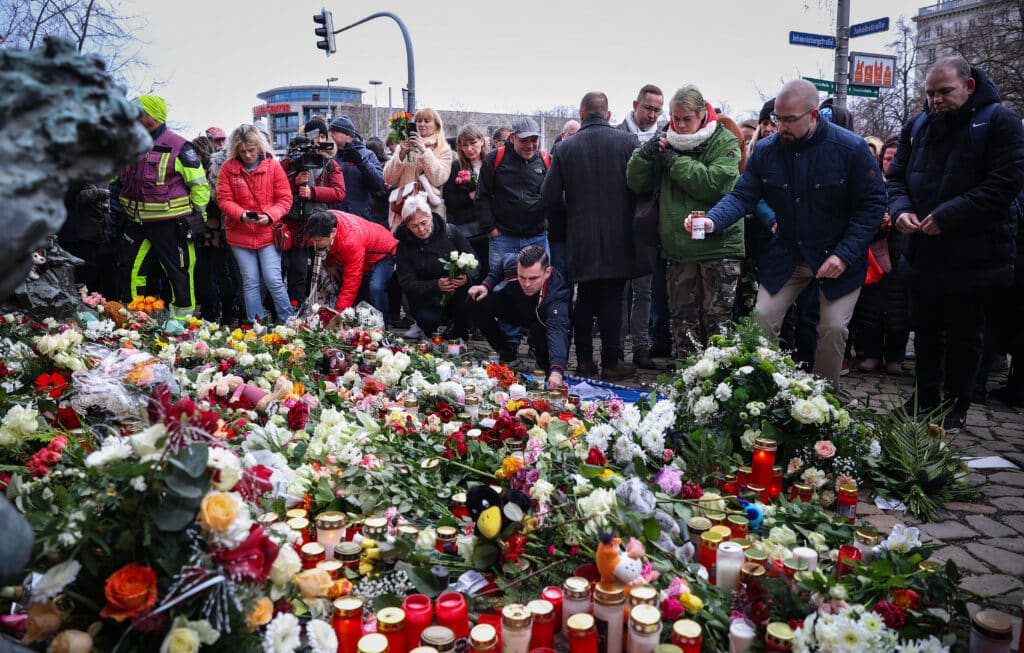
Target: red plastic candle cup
column 848, row 555
column 453, row 613
column 553, row 595
column 764, row 461
column 775, row 489
column 542, row 634
column 348, row 623
column 492, row 619
column 419, row 614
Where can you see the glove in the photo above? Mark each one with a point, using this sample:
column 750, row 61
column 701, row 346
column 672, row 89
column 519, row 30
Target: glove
column 351, row 155
column 652, row 147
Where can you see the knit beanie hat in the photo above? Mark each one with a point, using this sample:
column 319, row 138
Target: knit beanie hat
column 344, row 125
column 315, row 124
column 767, row 110
column 154, row 106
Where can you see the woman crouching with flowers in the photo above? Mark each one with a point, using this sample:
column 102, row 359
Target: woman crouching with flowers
column 425, row 248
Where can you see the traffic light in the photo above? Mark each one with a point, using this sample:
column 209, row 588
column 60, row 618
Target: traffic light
column 325, row 30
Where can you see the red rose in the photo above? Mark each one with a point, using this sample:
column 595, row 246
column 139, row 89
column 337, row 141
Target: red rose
column 672, row 609
column 130, row 590
column 596, row 457
column 444, row 411
column 298, row 415
column 255, row 482
column 907, row 599
column 691, row 491
column 891, row 614
column 251, row 560
column 67, row 418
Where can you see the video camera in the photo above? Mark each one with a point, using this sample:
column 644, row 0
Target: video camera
column 306, row 153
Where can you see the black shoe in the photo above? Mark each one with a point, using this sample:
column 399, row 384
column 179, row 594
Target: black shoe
column 642, row 359
column 586, row 368
column 979, row 396
column 914, row 408
column 661, row 350
column 954, row 422
column 400, row 322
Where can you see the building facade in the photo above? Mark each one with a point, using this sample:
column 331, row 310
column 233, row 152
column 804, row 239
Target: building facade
column 968, row 27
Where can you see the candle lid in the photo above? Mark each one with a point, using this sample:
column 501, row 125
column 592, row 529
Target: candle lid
column 577, row 587
column 780, row 631
column 540, row 609
column 296, row 512
column 992, row 624
column 483, row 636
column 430, row 463
column 742, row 541
column 722, row 530
column 766, row 443
column 686, row 628
column 755, row 555
column 711, row 537
column 795, row 564
column 268, row 518
column 848, row 488
column 473, row 434
column 298, row 523
column 609, row 593
column 348, row 549
column 739, row 520
column 516, row 615
column 754, row 489
column 437, row 636
column 410, row 403
column 745, row 469
column 802, row 487
column 472, row 401
column 408, row 530
column 375, row 523
column 752, row 570
column 929, row 566
column 643, row 594
column 867, row 536
column 424, row 649
column 330, row 566
column 390, row 620
column 645, row 619
column 373, row 643
column 348, row 607
column 730, row 478
column 330, row 520
column 313, row 549
column 715, row 516
column 698, row 523
column 580, row 621
column 552, row 593
column 667, row 648
column 459, row 498
column 447, row 533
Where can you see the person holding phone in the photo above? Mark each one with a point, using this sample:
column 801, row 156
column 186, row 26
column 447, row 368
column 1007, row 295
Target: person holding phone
column 423, row 157
column 253, row 194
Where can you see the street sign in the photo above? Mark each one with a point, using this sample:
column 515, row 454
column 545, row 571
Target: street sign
column 862, row 91
column 869, row 69
column 870, row 27
column 812, row 40
column 822, row 85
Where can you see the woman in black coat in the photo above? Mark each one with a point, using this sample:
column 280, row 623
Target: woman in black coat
column 460, row 191
column 425, row 241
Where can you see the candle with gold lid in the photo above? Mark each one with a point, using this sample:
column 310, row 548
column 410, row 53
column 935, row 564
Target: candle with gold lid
column 473, row 407
column 330, row 527
column 516, row 621
column 295, row 513
column 332, row 567
column 375, row 528
column 763, row 462
column 483, row 638
column 300, row 525
column 581, row 630
column 311, row 553
column 778, row 637
column 687, row 635
column 644, row 628
column 373, row 643
column 575, row 597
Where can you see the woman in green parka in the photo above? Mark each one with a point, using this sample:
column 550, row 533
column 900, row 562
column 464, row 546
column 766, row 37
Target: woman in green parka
column 697, row 160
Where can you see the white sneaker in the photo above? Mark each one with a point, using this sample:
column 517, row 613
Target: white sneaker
column 413, row 333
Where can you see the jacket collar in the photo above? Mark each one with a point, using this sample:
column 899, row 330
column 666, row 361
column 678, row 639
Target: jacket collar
column 594, row 119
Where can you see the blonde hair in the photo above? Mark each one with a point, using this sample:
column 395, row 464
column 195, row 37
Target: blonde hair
column 441, row 144
column 689, row 97
column 875, row 144
column 244, row 135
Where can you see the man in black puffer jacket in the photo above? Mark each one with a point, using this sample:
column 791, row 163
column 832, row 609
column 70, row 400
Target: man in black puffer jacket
column 951, row 187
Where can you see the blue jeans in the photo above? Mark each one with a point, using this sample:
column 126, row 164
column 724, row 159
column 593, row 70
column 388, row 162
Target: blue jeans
column 501, row 245
column 374, row 288
column 264, row 263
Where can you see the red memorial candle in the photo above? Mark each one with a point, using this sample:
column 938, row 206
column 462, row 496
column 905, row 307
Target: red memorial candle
column 453, row 613
column 348, row 623
column 764, row 461
column 419, row 613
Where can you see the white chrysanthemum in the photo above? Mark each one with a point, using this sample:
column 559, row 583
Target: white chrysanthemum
column 744, row 370
column 653, row 440
column 246, row 360
column 704, row 408
column 625, row 450
column 541, row 491
column 114, row 448
column 426, row 539
column 282, row 635
column 599, row 437
column 813, row 476
column 53, row 582
column 723, row 392
column 139, row 483
column 321, row 638
column 805, row 412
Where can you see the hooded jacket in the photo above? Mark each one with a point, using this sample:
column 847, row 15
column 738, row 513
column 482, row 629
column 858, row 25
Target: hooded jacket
column 264, row 190
column 358, row 246
column 968, row 187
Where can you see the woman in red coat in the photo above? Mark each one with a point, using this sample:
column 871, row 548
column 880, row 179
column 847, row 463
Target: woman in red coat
column 253, row 194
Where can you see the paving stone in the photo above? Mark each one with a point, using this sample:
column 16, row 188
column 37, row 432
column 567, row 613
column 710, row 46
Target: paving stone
column 975, row 479
column 1001, row 446
column 962, row 558
column 1013, row 543
column 1014, row 521
column 1008, row 478
column 885, row 523
column 1005, row 561
column 991, row 584
column 949, row 530
column 1000, row 491
column 1009, row 504
column 989, row 527
column 864, row 509
column 979, row 508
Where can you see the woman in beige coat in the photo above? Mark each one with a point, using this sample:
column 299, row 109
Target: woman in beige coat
column 425, row 157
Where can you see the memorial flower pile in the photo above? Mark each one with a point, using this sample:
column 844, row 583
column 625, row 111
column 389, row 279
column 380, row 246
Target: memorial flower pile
column 175, row 476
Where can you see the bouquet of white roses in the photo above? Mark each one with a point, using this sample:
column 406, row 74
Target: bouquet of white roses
column 458, row 264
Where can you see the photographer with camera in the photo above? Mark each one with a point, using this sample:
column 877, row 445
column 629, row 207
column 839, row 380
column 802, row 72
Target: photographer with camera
column 317, row 183
column 362, row 169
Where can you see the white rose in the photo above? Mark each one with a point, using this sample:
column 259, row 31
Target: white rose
column 805, row 411
column 21, row 421
column 145, row 442
column 541, row 491
column 180, row 640
column 285, row 566
column 426, row 539
column 705, row 368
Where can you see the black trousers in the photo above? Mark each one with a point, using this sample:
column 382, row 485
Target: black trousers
column 149, row 248
column 948, row 343
column 430, row 314
column 295, row 265
column 603, row 298
column 495, row 308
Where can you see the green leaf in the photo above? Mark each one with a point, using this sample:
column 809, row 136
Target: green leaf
column 185, row 486
column 652, row 530
column 386, row 601
column 424, row 581
column 485, row 554
column 191, row 459
column 590, row 471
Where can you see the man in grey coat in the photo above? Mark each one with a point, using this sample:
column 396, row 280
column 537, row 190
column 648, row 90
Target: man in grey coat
column 587, row 181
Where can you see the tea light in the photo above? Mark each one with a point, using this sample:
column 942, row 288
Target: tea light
column 808, row 555
column 454, row 348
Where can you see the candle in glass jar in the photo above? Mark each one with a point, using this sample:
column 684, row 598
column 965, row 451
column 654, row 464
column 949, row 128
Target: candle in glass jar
column 847, row 506
column 440, row 637
column 801, row 492
column 332, row 567
column 741, row 636
column 436, row 338
column 687, row 635
column 348, row 623
column 582, row 633
column 459, row 510
column 775, row 488
column 730, row 485
column 778, row 637
column 473, row 407
column 419, row 613
column 644, row 629
column 808, row 555
column 300, row 526
column 516, row 623
column 728, row 561
column 991, row 632
column 697, row 526
column 848, row 556
column 483, row 638
column 742, row 479
column 608, row 603
column 867, row 541
column 445, row 542
column 311, row 553
column 391, row 624
column 739, row 526
column 330, row 526
column 553, row 595
column 763, row 462
column 542, row 634
column 709, row 542
column 575, row 597
column 373, row 643
column 454, row 347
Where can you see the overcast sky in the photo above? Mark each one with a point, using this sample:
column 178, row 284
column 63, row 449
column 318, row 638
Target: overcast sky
column 520, row 56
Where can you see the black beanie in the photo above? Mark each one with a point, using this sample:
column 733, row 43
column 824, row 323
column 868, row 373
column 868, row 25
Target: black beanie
column 315, row 124
column 767, row 110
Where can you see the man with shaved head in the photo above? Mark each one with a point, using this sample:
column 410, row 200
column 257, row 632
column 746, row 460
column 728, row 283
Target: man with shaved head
column 829, row 200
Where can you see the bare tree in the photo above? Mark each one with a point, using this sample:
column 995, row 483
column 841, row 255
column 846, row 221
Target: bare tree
column 994, row 41
column 95, row 27
column 894, row 105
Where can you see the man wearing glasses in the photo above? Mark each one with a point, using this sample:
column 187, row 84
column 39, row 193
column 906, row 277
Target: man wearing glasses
column 829, row 199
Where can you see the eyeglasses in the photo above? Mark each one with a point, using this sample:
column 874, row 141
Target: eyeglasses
column 789, row 119
column 649, row 109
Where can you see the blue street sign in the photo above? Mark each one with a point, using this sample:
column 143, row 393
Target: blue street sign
column 812, row 40
column 870, row 27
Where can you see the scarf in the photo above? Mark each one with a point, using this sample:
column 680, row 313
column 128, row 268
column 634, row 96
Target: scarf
column 642, row 136
column 688, row 142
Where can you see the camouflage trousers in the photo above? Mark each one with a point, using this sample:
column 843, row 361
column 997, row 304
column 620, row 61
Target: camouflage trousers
column 700, row 298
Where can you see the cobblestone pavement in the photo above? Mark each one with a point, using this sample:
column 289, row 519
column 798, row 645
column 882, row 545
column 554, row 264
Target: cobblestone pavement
column 985, row 537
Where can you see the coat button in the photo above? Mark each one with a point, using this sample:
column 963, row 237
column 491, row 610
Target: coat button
column 798, row 200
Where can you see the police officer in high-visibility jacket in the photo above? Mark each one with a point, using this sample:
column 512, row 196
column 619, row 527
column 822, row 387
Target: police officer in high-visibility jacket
column 162, row 198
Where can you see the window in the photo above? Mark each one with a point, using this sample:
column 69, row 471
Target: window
column 938, row 31
column 316, row 97
column 931, row 55
column 286, row 121
column 927, row 32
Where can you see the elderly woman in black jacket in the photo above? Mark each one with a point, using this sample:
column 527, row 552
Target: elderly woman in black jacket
column 425, row 241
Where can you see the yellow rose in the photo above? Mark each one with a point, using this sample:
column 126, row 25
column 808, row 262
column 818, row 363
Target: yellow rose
column 180, row 640
column 261, row 613
column 218, row 511
column 314, row 583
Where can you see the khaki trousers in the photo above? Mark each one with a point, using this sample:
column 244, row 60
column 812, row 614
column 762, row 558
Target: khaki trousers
column 832, row 326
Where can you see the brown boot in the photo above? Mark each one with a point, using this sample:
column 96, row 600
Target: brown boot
column 620, row 371
column 586, row 368
column 642, row 359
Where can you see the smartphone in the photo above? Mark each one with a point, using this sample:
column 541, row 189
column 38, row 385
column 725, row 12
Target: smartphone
column 251, row 215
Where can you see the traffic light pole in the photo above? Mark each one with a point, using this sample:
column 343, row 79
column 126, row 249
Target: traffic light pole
column 411, row 97
column 842, row 71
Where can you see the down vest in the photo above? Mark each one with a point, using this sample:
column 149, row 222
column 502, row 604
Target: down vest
column 968, row 187
column 264, row 190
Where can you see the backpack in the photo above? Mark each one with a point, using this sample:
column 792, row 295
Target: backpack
column 500, row 154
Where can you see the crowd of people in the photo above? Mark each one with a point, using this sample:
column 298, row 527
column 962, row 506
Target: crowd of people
column 657, row 233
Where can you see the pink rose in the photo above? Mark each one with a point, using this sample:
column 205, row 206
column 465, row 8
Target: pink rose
column 825, row 449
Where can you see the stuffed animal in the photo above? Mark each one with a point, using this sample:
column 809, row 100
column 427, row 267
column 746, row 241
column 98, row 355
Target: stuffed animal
column 607, row 556
column 235, row 390
column 38, row 259
column 492, row 511
column 631, row 565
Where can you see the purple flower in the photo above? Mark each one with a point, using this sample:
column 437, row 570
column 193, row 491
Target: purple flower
column 669, row 480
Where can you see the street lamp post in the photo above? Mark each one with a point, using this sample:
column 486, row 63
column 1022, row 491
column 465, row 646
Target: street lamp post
column 375, row 83
column 330, row 108
column 410, row 99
